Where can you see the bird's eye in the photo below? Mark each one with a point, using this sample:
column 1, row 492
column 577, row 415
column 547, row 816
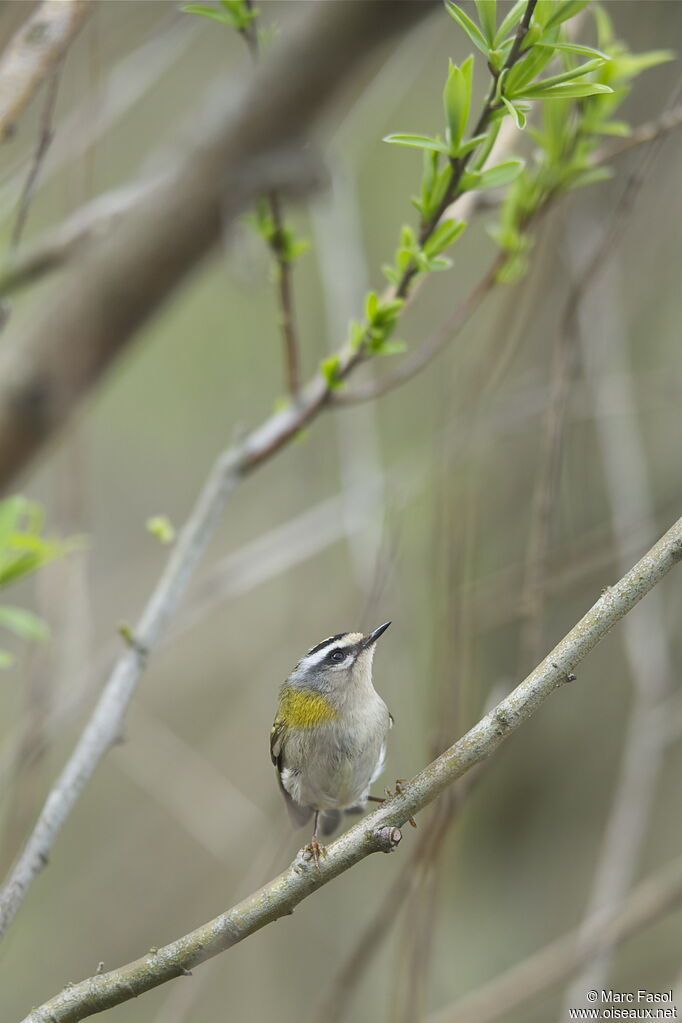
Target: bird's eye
column 337, row 655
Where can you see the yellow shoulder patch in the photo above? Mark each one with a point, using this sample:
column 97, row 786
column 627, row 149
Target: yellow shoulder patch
column 302, row 708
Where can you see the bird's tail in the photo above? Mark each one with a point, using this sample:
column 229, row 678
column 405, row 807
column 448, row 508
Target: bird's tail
column 330, row 821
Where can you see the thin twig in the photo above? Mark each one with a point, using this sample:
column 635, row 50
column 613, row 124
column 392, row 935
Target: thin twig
column 545, row 490
column 44, row 141
column 93, row 118
column 59, row 245
column 277, row 243
column 285, row 291
column 379, row 830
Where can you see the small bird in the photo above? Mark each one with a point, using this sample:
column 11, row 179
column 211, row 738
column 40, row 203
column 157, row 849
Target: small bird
column 328, row 741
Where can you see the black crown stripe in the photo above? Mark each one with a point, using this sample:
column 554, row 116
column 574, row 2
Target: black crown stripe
column 326, row 642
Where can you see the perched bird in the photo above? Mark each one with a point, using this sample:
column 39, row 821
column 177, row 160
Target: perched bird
column 328, row 741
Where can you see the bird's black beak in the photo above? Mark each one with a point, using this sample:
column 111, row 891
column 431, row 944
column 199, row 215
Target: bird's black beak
column 373, row 636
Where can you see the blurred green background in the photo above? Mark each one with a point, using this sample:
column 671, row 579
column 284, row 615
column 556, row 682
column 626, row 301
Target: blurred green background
column 416, row 509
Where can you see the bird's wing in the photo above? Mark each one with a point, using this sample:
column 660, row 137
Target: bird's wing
column 299, row 815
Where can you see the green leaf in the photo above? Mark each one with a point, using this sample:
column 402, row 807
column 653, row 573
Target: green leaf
column 388, row 311
column 6, row 659
column 331, row 371
column 24, row 623
column 371, row 305
column 469, row 26
column 492, row 177
column 509, row 22
column 527, row 70
column 289, row 247
column 11, row 510
column 620, row 128
column 204, row 11
column 443, row 236
column 438, row 263
column 394, row 347
column 518, row 116
column 407, row 239
column 471, row 144
column 487, row 16
column 630, row 64
column 357, row 332
column 418, row 142
column 590, row 177
column 538, row 88
column 580, row 48
column 161, row 527
column 230, row 12
column 571, row 90
column 563, row 11
column 457, row 100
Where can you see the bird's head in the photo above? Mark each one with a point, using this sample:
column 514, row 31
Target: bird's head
column 338, row 661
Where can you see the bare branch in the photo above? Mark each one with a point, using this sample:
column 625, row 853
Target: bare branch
column 285, row 292
column 277, row 243
column 378, row 831
column 45, row 370
column 44, row 141
column 61, row 244
column 34, row 51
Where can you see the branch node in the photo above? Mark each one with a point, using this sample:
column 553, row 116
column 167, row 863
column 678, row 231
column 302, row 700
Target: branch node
column 388, row 839
column 503, row 720
column 130, row 639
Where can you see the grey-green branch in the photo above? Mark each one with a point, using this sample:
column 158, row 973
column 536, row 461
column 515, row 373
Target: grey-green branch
column 380, row 830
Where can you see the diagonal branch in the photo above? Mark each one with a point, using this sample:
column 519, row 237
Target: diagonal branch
column 334, row 29
column 378, row 831
column 34, row 51
column 53, row 362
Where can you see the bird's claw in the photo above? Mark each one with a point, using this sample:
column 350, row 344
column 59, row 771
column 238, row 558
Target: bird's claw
column 400, row 782
column 312, row 851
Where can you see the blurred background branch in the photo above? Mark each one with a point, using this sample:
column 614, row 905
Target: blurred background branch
column 33, row 53
column 59, row 357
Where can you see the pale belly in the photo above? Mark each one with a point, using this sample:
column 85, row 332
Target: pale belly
column 327, row 774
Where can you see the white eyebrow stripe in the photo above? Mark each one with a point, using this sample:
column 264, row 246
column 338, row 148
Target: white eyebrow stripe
column 310, row 660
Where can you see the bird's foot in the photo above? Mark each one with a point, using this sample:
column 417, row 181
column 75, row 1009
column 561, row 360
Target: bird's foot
column 312, row 851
